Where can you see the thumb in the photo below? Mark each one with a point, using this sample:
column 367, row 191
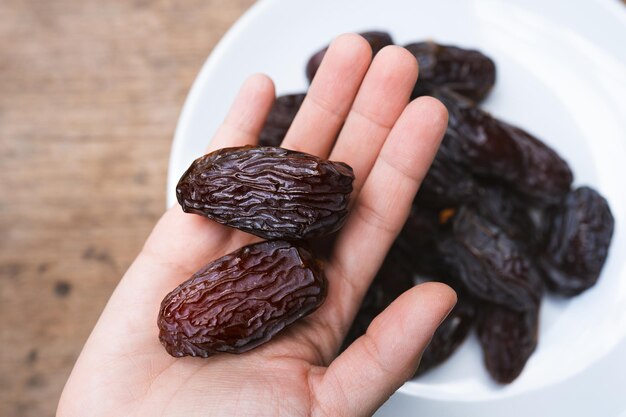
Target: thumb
column 365, row 375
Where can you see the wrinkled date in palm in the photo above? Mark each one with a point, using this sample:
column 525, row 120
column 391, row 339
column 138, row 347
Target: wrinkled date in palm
column 269, row 192
column 241, row 300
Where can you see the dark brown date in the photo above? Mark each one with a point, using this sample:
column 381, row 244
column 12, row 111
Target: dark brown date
column 280, row 118
column 268, row 191
column 499, row 152
column 417, row 244
column 507, row 338
column 447, row 183
column 377, row 40
column 490, row 264
column 466, row 71
column 578, row 242
column 509, row 212
column 241, row 300
column 450, row 334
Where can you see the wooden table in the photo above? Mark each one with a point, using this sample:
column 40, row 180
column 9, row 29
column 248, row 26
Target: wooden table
column 90, row 92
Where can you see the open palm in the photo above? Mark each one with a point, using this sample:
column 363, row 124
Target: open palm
column 124, row 371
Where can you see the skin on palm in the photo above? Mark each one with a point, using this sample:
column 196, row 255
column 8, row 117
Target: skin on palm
column 123, row 370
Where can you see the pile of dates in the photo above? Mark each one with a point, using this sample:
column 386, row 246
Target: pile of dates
column 496, row 218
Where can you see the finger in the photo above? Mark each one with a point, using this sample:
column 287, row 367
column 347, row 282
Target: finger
column 389, row 80
column 363, row 377
column 181, row 243
column 382, row 207
column 186, row 241
column 247, row 114
column 330, row 96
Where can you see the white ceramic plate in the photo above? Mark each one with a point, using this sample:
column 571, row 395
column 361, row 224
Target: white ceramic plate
column 561, row 75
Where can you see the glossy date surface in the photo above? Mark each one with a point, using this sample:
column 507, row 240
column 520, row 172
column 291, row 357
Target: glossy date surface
column 498, row 152
column 270, row 192
column 241, row 300
column 467, row 71
column 509, row 212
column 489, row 264
column 507, row 338
column 448, row 183
column 577, row 242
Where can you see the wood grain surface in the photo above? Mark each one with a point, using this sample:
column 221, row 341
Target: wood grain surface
column 90, row 92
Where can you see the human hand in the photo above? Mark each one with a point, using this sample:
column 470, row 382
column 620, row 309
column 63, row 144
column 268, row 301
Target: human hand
column 124, row 371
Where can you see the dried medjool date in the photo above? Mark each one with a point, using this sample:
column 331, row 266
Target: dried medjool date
column 241, row 300
column 502, row 153
column 578, row 242
column 270, row 192
column 510, row 213
column 447, row 183
column 280, row 118
column 490, row 265
column 466, row 71
column 450, row 334
column 377, row 40
column 507, row 338
column 417, row 243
